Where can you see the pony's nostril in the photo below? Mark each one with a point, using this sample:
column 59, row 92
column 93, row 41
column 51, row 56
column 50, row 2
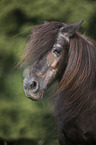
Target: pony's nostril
column 34, row 86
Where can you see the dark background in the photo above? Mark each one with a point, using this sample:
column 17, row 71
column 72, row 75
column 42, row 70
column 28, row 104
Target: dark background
column 23, row 122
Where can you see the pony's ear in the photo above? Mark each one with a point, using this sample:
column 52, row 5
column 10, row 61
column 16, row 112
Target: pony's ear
column 69, row 30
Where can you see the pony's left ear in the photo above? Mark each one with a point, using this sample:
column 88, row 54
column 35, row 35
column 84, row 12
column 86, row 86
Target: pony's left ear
column 69, row 30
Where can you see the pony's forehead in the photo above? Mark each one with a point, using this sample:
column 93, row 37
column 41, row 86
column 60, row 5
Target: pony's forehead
column 42, row 39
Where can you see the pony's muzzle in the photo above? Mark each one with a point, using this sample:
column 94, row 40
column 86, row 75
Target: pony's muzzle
column 32, row 88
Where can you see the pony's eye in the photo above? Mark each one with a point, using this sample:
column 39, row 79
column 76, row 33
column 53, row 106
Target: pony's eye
column 57, row 51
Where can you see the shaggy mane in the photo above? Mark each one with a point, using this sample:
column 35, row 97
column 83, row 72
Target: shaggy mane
column 78, row 83
column 81, row 65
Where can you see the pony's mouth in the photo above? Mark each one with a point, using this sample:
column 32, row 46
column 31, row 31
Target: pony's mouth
column 34, row 96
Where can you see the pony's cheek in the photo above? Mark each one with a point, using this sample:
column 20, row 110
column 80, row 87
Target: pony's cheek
column 55, row 64
column 53, row 61
column 50, row 59
column 49, row 78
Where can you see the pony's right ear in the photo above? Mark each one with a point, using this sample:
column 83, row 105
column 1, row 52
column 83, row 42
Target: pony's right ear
column 69, row 30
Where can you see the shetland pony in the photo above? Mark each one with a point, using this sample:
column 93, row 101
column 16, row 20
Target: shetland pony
column 56, row 51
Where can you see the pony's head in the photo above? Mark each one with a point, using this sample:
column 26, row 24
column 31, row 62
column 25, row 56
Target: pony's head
column 47, row 54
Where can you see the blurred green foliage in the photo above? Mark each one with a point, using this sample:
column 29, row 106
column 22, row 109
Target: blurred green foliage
column 20, row 117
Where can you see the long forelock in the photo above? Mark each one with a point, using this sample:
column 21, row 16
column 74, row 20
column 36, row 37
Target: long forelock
column 41, row 41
